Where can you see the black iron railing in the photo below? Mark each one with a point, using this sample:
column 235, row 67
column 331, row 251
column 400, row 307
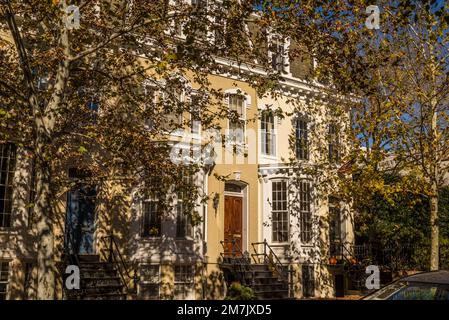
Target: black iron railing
column 113, row 255
column 239, row 261
column 394, row 257
column 269, row 257
column 70, row 257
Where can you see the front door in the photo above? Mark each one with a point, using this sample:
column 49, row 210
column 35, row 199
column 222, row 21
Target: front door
column 233, row 222
column 80, row 221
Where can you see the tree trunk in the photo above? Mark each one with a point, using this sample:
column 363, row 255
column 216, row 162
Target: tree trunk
column 434, row 229
column 43, row 212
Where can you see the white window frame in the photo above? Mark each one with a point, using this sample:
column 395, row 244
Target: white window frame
column 287, row 209
column 246, row 105
column 196, row 135
column 187, row 236
column 263, row 137
column 8, row 154
column 142, row 210
column 308, row 211
column 150, row 282
column 286, row 46
column 185, row 283
column 308, row 135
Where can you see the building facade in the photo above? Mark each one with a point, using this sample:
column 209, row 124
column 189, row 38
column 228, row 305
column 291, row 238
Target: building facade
column 261, row 190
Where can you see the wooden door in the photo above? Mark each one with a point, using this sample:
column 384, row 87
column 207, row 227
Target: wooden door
column 233, row 222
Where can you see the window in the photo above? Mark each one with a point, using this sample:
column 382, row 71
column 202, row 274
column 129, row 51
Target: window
column 195, row 115
column 305, row 213
column 173, row 110
column 335, row 231
column 43, row 83
column 200, row 5
column 278, row 57
column 280, row 216
column 183, row 219
column 334, row 144
column 268, row 139
column 302, row 140
column 219, row 31
column 150, row 282
column 308, row 281
column 237, row 125
column 183, row 281
column 7, row 168
column 150, row 102
column 4, row 278
column 151, row 219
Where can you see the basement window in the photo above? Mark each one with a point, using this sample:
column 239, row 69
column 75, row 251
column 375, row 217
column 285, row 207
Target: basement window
column 149, row 282
column 183, row 282
column 4, row 278
column 308, row 281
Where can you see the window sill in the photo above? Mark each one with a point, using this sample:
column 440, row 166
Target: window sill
column 269, row 156
column 8, row 230
column 279, row 244
column 150, row 239
column 186, row 239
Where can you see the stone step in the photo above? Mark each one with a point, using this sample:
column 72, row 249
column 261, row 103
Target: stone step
column 95, row 273
column 275, row 294
column 98, row 290
column 269, row 287
column 265, row 280
column 104, row 296
column 100, row 265
column 100, row 281
column 89, row 258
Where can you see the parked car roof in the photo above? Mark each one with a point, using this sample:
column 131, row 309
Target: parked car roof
column 438, row 277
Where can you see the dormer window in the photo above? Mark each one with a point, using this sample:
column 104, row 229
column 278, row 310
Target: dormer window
column 279, row 54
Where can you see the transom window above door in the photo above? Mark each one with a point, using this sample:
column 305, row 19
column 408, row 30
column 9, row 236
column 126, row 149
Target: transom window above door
column 233, row 187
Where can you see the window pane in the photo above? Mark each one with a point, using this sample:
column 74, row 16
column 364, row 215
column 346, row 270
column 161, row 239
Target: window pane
column 305, row 213
column 183, row 281
column 4, row 278
column 308, row 281
column 267, row 132
column 151, row 220
column 302, row 143
column 334, row 142
column 280, row 216
column 7, row 168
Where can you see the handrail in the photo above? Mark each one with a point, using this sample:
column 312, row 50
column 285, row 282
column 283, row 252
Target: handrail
column 237, row 252
column 277, row 264
column 111, row 243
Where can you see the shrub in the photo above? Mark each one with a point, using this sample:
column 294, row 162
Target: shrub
column 239, row 292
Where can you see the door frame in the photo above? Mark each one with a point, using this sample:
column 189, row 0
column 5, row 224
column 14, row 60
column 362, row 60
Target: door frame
column 244, row 195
